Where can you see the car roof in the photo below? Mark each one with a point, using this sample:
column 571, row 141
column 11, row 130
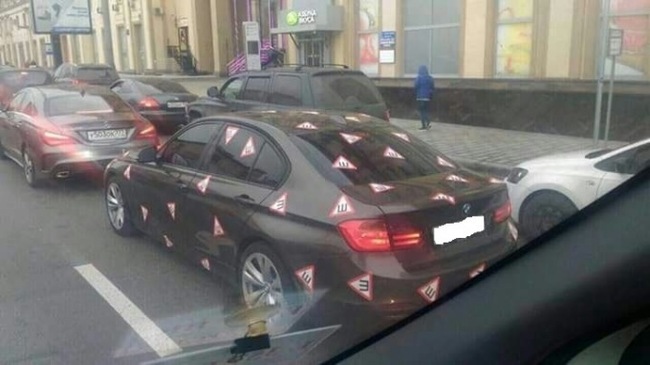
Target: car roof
column 89, row 65
column 53, row 90
column 304, row 70
column 149, row 80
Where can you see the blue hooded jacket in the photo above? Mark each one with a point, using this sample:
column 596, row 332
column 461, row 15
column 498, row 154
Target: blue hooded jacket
column 424, row 84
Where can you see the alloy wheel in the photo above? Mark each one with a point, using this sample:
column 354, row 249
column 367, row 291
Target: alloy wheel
column 115, row 206
column 261, row 283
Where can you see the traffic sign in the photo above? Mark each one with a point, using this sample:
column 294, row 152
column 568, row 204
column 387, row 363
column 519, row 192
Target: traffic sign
column 615, row 42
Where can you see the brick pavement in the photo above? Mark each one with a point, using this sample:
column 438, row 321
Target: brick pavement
column 491, row 149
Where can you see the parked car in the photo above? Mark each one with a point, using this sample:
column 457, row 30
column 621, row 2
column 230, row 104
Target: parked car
column 547, row 190
column 162, row 102
column 326, row 88
column 261, row 196
column 12, row 80
column 86, row 73
column 60, row 130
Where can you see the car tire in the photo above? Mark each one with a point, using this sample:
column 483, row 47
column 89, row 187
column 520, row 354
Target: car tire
column 543, row 211
column 292, row 297
column 30, row 171
column 117, row 210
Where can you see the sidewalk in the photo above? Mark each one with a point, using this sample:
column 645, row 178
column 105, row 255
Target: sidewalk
column 492, row 150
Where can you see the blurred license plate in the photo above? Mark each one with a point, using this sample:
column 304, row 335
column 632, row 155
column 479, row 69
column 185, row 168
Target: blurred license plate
column 107, row 134
column 453, row 231
column 176, row 104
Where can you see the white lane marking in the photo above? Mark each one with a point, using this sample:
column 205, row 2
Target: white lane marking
column 132, row 315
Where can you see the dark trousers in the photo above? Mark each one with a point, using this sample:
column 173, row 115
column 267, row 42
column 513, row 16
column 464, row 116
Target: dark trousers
column 425, row 112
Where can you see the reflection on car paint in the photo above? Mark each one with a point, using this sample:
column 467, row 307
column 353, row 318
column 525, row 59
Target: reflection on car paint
column 380, row 188
column 391, row 153
column 343, row 163
column 171, row 206
column 127, row 173
column 145, row 213
column 307, row 126
column 441, row 196
column 403, row 136
column 350, row 138
column 168, row 242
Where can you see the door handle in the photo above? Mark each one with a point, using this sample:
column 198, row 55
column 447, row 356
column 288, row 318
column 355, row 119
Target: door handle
column 245, row 198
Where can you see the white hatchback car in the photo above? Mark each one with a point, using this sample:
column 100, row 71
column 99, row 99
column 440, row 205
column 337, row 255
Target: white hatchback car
column 547, row 190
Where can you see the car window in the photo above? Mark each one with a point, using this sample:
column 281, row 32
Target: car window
column 287, row 90
column 160, row 87
column 232, row 89
column 376, row 157
column 256, row 89
column 336, row 89
column 269, row 169
column 186, row 149
column 235, row 153
column 89, row 74
column 123, row 87
column 628, row 162
column 78, row 103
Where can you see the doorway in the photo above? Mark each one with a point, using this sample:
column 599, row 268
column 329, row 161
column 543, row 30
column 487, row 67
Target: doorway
column 313, row 50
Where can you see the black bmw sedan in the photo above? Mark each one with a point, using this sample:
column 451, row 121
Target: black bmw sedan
column 286, row 204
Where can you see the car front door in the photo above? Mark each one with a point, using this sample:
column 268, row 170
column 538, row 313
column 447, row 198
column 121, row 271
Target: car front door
column 230, row 96
column 244, row 169
column 159, row 189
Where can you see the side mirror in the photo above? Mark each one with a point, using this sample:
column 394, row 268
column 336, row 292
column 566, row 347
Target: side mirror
column 214, row 92
column 147, row 155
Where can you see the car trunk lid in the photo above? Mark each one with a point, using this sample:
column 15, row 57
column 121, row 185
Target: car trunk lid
column 104, row 128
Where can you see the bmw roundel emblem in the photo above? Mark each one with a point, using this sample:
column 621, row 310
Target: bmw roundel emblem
column 467, row 208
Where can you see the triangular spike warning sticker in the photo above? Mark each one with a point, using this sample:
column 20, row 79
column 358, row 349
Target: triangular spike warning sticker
column 202, row 185
column 443, row 162
column 403, row 136
column 168, row 242
column 362, row 285
column 171, row 206
column 205, row 263
column 280, row 205
column 230, row 134
column 217, row 229
column 145, row 213
column 306, row 277
column 342, row 207
column 448, row 198
column 430, row 290
column 127, row 173
column 380, row 188
column 306, row 125
column 343, row 163
column 350, row 138
column 391, row 153
column 477, row 271
column 249, row 148
column 456, row 178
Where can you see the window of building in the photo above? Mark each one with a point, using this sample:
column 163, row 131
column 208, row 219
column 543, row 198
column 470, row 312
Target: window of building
column 432, row 36
column 633, row 17
column 514, row 38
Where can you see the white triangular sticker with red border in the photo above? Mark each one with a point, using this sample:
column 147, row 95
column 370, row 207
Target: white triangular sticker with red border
column 249, row 148
column 171, row 206
column 343, row 163
column 127, row 173
column 168, row 242
column 350, row 138
column 306, row 277
column 230, row 134
column 362, row 285
column 443, row 162
column 391, row 153
column 145, row 213
column 429, row 291
column 217, row 229
column 280, row 205
column 342, row 207
column 205, row 263
column 456, row 178
column 477, row 271
column 202, row 185
column 307, row 126
column 514, row 232
column 403, row 136
column 448, row 198
column 380, row 188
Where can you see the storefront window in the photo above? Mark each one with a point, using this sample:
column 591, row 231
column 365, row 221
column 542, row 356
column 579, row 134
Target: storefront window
column 432, row 35
column 514, row 37
column 369, row 37
column 633, row 17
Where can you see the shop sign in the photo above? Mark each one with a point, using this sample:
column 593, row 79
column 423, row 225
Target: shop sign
column 301, row 17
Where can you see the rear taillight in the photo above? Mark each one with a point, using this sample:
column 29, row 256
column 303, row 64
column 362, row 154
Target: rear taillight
column 374, row 235
column 55, row 139
column 502, row 213
column 148, row 103
column 387, row 115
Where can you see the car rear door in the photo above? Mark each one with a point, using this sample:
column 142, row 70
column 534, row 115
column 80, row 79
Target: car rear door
column 287, row 90
column 159, row 190
column 244, row 169
column 255, row 94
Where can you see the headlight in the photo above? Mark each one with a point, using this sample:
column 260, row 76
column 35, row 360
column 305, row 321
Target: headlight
column 516, row 175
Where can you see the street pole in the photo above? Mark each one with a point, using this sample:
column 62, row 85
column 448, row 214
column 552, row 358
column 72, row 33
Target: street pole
column 602, row 52
column 610, row 96
column 107, row 37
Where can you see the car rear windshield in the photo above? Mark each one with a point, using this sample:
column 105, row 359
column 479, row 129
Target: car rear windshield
column 332, row 90
column 371, row 158
column 16, row 80
column 85, row 104
column 160, row 87
column 97, row 73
